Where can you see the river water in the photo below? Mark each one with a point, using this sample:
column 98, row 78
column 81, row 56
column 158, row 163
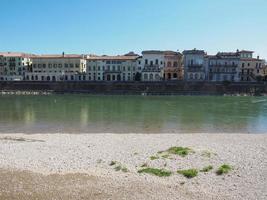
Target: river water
column 132, row 114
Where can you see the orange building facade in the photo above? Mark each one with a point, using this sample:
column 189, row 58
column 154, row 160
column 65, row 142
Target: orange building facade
column 173, row 66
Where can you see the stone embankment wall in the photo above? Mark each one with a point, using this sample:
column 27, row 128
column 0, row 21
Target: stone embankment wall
column 136, row 88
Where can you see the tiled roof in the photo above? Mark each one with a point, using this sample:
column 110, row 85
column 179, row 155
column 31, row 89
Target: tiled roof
column 245, row 51
column 159, row 52
column 56, row 56
column 227, row 54
column 251, row 59
column 15, row 54
column 194, row 51
column 112, row 57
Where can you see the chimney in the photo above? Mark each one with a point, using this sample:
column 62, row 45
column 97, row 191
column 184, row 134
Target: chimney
column 258, row 57
column 63, row 54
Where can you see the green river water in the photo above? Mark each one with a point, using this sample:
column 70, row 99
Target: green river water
column 132, row 114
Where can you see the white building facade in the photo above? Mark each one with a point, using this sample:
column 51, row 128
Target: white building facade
column 113, row 68
column 194, row 66
column 223, row 67
column 152, row 65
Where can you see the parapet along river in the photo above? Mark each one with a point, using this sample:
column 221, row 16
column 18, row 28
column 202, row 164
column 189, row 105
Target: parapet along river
column 132, row 114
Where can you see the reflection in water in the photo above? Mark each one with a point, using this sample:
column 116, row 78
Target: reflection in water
column 29, row 116
column 132, row 114
column 84, row 116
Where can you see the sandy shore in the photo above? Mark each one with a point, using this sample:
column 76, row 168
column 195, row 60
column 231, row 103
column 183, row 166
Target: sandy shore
column 62, row 166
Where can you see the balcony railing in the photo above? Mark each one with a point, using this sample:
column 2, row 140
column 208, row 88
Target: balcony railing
column 222, row 65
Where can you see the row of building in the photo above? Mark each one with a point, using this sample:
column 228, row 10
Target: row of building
column 153, row 65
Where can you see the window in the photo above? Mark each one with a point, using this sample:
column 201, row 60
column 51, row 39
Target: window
column 71, row 65
column 146, row 61
column 77, row 65
column 145, row 76
column 66, row 65
column 157, row 61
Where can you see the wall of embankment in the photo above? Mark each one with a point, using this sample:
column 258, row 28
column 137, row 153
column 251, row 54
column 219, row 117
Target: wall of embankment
column 138, row 88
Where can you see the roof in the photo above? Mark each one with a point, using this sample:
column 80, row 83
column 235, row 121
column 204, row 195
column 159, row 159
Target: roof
column 168, row 52
column 57, row 56
column 245, row 51
column 134, row 57
column 15, row 54
column 227, row 54
column 251, row 59
column 194, row 51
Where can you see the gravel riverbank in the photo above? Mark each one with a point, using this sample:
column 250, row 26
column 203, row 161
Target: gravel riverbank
column 105, row 166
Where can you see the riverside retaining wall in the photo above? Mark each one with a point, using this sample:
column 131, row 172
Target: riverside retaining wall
column 137, row 88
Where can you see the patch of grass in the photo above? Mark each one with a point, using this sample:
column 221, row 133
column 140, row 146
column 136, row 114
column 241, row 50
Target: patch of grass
column 124, row 169
column 181, row 151
column 207, row 169
column 99, row 161
column 112, row 163
column 154, row 157
column 166, row 156
column 224, row 169
column 156, row 172
column 118, row 168
column 189, row 173
column 144, row 165
column 207, row 154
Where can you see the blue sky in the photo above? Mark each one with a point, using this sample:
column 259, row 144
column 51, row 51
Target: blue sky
column 118, row 26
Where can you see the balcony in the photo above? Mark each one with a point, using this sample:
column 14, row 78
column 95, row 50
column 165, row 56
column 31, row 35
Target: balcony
column 112, row 71
column 222, row 65
column 195, row 68
column 151, row 68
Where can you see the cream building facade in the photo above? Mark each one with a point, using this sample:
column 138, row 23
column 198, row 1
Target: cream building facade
column 1, row 66
column 251, row 69
column 57, row 68
column 14, row 65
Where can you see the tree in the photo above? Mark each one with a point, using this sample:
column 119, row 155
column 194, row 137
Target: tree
column 137, row 76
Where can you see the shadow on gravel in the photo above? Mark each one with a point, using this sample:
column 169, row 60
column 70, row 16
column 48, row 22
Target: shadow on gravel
column 20, row 139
